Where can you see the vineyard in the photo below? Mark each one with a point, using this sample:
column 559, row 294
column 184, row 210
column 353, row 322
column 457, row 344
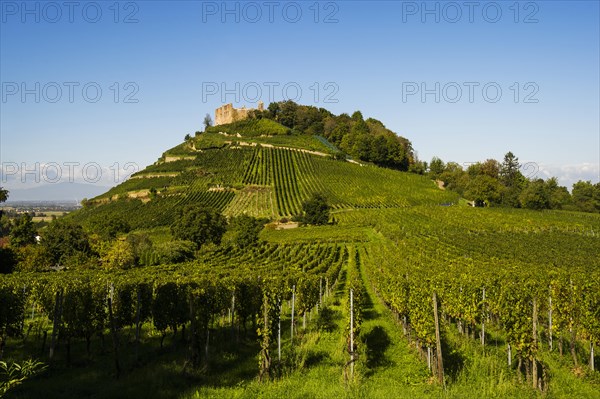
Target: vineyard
column 405, row 295
column 530, row 315
column 259, row 181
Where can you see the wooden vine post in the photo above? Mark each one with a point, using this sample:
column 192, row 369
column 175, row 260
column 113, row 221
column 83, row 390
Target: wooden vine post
column 265, row 332
column 113, row 330
column 232, row 310
column 320, row 294
column 592, row 367
column 351, row 333
column 56, row 322
column 194, row 351
column 438, row 342
column 138, row 325
column 293, row 304
column 232, row 314
column 483, row 318
column 534, row 377
column 279, row 331
column 550, row 322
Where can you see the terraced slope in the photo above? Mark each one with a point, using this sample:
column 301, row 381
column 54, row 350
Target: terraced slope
column 263, row 180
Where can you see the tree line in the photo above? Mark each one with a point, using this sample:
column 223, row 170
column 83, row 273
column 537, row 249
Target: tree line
column 494, row 183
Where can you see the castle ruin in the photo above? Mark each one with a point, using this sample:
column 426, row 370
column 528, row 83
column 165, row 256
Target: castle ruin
column 228, row 114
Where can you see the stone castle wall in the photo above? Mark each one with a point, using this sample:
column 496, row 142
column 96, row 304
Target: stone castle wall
column 228, row 114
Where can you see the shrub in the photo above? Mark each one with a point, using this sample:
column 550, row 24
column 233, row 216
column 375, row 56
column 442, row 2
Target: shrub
column 175, row 251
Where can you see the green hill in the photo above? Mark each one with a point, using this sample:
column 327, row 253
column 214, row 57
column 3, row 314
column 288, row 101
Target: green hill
column 259, row 176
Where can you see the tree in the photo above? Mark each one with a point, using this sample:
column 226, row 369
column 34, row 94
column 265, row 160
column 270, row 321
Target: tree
column 418, row 167
column 175, row 251
column 362, row 148
column 140, row 243
column 119, row 256
column 586, row 196
column 559, row 196
column 3, row 195
column 484, row 190
column 360, row 127
column 273, row 110
column 63, row 238
column 287, row 114
column 316, row 210
column 455, row 178
column 491, row 168
column 33, row 258
column 357, row 116
column 309, row 120
column 5, row 226
column 23, row 231
column 244, row 230
column 109, row 228
column 509, row 170
column 379, row 150
column 8, row 260
column 399, row 152
column 436, row 167
column 512, row 179
column 535, row 196
column 187, row 137
column 208, row 122
column 199, row 225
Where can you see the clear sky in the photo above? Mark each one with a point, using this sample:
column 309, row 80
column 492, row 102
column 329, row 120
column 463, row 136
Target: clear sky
column 464, row 81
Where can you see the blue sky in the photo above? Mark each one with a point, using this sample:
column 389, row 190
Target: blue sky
column 462, row 82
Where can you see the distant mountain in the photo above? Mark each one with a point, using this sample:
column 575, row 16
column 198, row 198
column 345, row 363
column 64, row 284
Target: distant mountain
column 57, row 192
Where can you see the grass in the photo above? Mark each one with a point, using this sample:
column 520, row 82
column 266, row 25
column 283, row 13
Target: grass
column 564, row 380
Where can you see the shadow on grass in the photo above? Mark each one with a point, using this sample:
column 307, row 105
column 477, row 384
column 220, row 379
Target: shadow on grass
column 233, row 362
column 369, row 312
column 376, row 342
column 328, row 319
column 159, row 373
column 454, row 360
column 314, row 358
